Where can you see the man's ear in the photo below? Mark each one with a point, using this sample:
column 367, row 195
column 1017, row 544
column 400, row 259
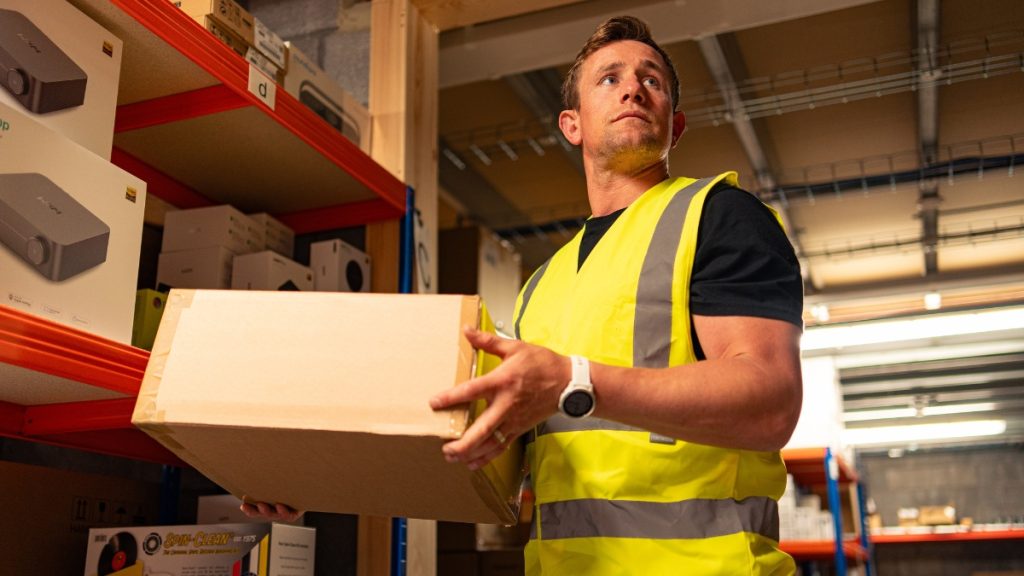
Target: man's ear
column 569, row 124
column 678, row 126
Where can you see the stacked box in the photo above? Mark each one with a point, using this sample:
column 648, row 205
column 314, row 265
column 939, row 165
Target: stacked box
column 62, row 69
column 199, row 246
column 314, row 88
column 269, row 270
column 339, row 267
column 212, row 549
column 70, row 229
column 279, row 238
column 244, row 33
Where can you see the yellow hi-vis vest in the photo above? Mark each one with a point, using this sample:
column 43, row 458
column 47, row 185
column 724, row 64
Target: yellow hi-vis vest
column 611, row 499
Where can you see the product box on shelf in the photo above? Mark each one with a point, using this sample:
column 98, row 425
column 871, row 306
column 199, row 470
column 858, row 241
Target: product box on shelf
column 200, row 268
column 49, row 512
column 269, row 270
column 331, row 391
column 210, row 549
column 211, row 226
column 339, row 267
column 227, row 13
column 314, row 88
column 149, row 308
column 270, row 45
column 61, row 68
column 225, row 35
column 70, row 230
column 279, row 238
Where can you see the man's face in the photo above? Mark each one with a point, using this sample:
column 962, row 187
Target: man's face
column 625, row 113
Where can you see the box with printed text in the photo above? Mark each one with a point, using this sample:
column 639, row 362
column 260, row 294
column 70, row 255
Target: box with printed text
column 70, row 230
column 210, row 550
column 62, row 68
column 314, row 88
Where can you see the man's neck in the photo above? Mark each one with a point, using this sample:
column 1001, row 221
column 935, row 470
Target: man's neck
column 611, row 190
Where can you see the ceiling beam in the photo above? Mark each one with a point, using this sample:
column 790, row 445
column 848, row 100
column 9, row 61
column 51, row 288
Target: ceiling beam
column 553, row 37
column 486, row 206
column 928, row 69
column 448, row 14
column 540, row 91
column 724, row 60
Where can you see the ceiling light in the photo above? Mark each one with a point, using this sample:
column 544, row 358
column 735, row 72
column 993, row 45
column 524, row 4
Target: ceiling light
column 889, row 331
column 866, row 415
column 932, row 301
column 922, row 432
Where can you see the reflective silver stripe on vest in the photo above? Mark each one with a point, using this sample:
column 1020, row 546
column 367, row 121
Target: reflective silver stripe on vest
column 528, row 293
column 652, row 323
column 697, row 518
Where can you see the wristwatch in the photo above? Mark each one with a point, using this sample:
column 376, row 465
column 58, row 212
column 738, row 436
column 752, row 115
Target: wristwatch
column 577, row 400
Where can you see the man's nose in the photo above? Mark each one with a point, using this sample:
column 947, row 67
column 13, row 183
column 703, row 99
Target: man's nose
column 632, row 90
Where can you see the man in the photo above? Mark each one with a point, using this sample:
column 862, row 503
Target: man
column 657, row 370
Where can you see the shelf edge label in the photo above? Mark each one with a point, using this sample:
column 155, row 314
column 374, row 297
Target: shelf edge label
column 262, row 86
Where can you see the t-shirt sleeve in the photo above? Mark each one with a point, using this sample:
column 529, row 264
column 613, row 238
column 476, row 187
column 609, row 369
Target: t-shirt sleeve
column 745, row 264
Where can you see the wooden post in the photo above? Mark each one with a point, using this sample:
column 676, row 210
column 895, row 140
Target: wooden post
column 403, row 104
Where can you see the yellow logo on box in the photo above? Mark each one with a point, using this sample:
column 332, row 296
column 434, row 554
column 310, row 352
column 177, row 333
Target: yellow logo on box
column 131, row 194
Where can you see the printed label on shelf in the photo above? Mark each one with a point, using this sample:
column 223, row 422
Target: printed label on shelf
column 262, row 86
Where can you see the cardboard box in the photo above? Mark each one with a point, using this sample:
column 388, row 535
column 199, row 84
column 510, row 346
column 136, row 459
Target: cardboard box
column 225, row 35
column 70, row 230
column 339, row 267
column 48, row 513
column 149, row 308
column 279, row 238
column 320, row 400
column 269, row 270
column 211, row 550
column 320, row 93
column 208, row 268
column 270, row 45
column 69, row 81
column 936, row 515
column 211, row 226
column 227, row 13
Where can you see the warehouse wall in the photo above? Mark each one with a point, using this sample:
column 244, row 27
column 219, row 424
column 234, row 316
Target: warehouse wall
column 982, row 483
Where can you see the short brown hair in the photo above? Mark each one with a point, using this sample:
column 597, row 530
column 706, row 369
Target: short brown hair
column 614, row 30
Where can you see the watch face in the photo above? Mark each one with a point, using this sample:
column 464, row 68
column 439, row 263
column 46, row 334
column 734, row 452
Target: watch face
column 578, row 403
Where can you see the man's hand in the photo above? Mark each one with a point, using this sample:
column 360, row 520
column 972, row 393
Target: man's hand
column 520, row 393
column 270, row 512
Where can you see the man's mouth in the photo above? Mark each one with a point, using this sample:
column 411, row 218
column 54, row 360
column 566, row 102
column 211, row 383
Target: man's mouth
column 626, row 115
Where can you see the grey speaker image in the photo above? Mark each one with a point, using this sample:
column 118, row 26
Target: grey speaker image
column 316, row 100
column 34, row 70
column 49, row 229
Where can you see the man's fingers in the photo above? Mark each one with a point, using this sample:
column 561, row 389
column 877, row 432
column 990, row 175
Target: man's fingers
column 464, row 393
column 481, row 431
column 489, row 342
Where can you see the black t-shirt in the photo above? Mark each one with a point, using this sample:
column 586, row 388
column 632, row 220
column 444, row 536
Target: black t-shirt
column 744, row 265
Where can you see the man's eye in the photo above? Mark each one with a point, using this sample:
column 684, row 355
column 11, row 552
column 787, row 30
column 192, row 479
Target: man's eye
column 652, row 82
column 608, row 80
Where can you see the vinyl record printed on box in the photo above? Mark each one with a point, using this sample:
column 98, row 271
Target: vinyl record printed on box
column 118, row 553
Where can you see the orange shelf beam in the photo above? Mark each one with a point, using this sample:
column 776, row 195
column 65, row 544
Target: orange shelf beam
column 822, row 549
column 1011, row 534
column 807, row 465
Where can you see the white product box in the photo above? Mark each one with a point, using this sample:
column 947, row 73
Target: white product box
column 70, row 229
column 270, row 44
column 279, row 238
column 339, row 267
column 211, row 226
column 200, row 268
column 62, row 68
column 319, row 92
column 208, row 550
column 225, row 508
column 269, row 271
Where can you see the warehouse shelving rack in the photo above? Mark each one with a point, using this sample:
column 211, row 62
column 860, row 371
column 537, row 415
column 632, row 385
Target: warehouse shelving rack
column 819, row 468
column 188, row 124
